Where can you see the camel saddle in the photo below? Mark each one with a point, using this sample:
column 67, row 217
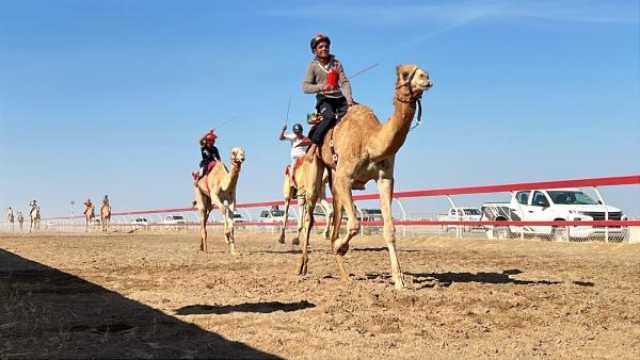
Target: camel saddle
column 291, row 172
column 210, row 167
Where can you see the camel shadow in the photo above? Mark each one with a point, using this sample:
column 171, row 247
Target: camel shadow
column 262, row 308
column 495, row 278
column 429, row 280
column 48, row 313
column 381, row 249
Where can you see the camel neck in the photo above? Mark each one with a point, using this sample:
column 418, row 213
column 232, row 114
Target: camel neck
column 232, row 177
column 393, row 133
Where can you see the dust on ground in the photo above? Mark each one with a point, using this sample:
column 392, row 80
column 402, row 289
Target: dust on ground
column 153, row 295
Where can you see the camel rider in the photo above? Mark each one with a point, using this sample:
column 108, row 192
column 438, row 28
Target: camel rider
column 326, row 78
column 299, row 143
column 105, row 201
column 208, row 151
column 88, row 205
column 32, row 205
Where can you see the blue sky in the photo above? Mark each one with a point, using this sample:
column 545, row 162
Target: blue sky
column 109, row 97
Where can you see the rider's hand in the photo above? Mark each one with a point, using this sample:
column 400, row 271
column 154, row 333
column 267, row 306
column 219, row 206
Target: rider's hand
column 284, row 128
column 328, row 88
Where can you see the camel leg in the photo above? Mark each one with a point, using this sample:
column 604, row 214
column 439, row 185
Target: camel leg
column 385, row 187
column 287, row 201
column 307, row 217
column 312, row 180
column 337, row 222
column 342, row 191
column 328, row 213
column 230, row 233
column 204, row 216
column 300, row 220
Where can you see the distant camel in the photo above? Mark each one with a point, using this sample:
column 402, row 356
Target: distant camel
column 218, row 188
column 35, row 218
column 89, row 214
column 20, row 219
column 105, row 216
column 10, row 219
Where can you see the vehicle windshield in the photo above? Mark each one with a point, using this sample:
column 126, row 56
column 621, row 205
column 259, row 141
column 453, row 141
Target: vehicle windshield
column 277, row 212
column 566, row 197
column 237, row 216
column 471, row 212
column 372, row 211
column 177, row 217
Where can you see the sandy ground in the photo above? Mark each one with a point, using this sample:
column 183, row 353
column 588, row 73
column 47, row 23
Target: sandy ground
column 155, row 296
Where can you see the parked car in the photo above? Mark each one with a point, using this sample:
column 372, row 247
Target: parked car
column 271, row 215
column 174, row 220
column 238, row 220
column 461, row 214
column 552, row 205
column 141, row 221
column 370, row 215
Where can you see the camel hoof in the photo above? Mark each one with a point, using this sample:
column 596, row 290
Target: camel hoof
column 399, row 283
column 296, row 241
column 281, row 239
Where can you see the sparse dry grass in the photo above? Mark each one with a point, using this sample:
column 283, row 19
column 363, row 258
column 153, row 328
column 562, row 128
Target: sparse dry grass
column 469, row 299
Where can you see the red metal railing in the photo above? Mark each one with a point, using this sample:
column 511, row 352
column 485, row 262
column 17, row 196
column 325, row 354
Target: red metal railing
column 590, row 182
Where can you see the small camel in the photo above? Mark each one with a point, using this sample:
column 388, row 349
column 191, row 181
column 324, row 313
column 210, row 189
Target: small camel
column 105, row 216
column 291, row 190
column 10, row 219
column 363, row 150
column 20, row 220
column 89, row 215
column 218, row 188
column 35, row 218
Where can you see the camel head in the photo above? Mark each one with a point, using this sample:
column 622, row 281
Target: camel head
column 237, row 155
column 412, row 81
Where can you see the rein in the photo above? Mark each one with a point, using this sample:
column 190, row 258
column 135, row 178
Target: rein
column 412, row 98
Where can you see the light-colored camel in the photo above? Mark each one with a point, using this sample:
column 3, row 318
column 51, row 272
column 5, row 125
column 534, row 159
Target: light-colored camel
column 105, row 216
column 365, row 151
column 10, row 219
column 89, row 215
column 290, row 191
column 218, row 189
column 20, row 220
column 35, row 218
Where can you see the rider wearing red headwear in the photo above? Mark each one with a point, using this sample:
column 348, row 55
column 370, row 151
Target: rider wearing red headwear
column 208, row 151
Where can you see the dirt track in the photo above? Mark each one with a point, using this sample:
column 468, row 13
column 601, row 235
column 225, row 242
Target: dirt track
column 138, row 296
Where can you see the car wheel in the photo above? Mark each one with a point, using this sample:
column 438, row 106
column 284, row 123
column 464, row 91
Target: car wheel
column 502, row 233
column 560, row 234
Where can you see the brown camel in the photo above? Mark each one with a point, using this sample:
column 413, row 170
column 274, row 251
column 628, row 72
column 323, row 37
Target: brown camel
column 89, row 215
column 218, row 189
column 296, row 190
column 363, row 150
column 105, row 216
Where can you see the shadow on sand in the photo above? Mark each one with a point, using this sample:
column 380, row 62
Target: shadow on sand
column 47, row 313
column 264, row 308
column 427, row 280
column 498, row 278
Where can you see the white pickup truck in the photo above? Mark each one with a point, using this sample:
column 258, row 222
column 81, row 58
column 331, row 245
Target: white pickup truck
column 458, row 214
column 552, row 205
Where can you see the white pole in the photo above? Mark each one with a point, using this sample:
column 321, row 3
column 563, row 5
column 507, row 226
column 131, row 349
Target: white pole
column 606, row 213
column 404, row 216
